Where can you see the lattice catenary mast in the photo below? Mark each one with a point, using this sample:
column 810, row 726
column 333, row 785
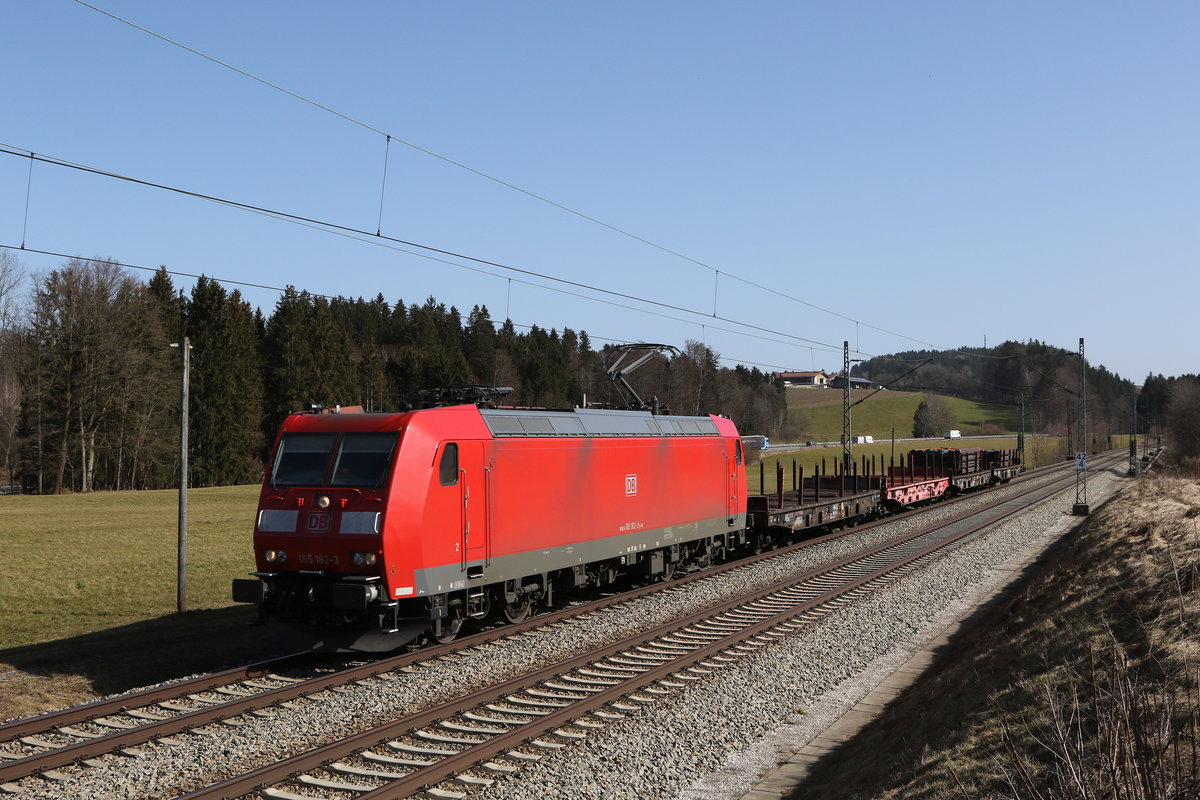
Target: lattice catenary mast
column 1081, row 453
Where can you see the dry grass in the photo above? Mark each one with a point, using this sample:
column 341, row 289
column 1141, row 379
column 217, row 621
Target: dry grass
column 88, row 592
column 1082, row 686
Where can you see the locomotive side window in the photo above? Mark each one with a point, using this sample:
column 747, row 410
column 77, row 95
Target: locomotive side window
column 448, row 467
column 302, row 459
column 363, row 460
column 737, row 450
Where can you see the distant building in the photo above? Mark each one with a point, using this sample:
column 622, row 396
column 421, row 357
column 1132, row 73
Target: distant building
column 817, row 378
column 838, row 382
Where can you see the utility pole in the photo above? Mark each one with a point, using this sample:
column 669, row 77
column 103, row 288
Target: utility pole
column 1133, row 462
column 847, row 456
column 1021, row 435
column 181, row 575
column 1081, row 454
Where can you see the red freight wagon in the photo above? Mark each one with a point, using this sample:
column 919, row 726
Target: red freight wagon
column 374, row 529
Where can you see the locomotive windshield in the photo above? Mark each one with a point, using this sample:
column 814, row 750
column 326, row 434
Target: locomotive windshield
column 358, row 460
column 303, row 459
column 363, row 459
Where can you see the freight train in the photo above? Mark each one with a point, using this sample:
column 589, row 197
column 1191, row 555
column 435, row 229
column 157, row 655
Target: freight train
column 377, row 529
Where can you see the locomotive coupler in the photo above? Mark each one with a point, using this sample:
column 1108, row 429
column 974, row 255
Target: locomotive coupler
column 256, row 590
column 355, row 592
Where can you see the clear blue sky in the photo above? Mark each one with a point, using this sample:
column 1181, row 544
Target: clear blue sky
column 930, row 173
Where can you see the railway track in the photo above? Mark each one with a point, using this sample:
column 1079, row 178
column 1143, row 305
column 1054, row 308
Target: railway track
column 444, row 750
column 40, row 744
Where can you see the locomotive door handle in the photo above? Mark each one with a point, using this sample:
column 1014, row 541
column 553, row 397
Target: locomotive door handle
column 487, row 516
column 464, row 520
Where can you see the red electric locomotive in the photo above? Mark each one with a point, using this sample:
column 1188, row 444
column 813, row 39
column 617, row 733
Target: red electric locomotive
column 375, row 529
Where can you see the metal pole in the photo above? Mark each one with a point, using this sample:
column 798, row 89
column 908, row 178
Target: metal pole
column 181, row 576
column 1021, row 435
column 1081, row 454
column 1133, row 462
column 846, row 449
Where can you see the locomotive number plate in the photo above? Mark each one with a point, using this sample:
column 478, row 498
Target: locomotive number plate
column 317, row 522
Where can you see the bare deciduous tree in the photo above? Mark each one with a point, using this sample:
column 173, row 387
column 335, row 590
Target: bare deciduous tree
column 99, row 361
column 11, row 275
column 933, row 416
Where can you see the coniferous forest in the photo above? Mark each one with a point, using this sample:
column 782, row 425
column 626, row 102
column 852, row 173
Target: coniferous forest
column 91, row 377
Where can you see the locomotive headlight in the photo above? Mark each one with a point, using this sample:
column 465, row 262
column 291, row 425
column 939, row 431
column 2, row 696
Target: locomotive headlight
column 273, row 556
column 323, row 501
column 364, row 559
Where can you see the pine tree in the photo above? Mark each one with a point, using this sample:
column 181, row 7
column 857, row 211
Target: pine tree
column 226, row 389
column 308, row 358
column 479, row 346
column 170, row 303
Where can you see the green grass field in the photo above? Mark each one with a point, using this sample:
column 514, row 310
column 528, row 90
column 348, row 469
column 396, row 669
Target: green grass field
column 879, row 413
column 73, row 564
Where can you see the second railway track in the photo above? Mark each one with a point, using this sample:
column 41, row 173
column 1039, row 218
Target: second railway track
column 274, row 696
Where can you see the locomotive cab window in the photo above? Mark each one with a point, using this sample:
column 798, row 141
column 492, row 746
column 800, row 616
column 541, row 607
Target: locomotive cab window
column 448, row 466
column 363, row 460
column 302, row 459
column 737, row 451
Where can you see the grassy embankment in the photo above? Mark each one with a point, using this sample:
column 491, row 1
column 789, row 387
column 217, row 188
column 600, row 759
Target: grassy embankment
column 1084, row 684
column 88, row 592
column 879, row 414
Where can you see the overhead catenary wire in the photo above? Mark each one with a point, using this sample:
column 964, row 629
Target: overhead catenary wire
column 494, row 179
column 507, row 313
column 461, row 317
column 12, row 150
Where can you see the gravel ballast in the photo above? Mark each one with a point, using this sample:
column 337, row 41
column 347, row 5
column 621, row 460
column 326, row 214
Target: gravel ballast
column 711, row 742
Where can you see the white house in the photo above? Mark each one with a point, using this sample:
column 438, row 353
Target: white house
column 817, row 378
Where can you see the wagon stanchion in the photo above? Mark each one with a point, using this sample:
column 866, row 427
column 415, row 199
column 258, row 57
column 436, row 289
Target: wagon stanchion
column 779, row 482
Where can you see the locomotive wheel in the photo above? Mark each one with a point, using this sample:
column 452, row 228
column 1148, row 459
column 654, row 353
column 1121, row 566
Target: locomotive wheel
column 518, row 611
column 668, row 570
column 450, row 630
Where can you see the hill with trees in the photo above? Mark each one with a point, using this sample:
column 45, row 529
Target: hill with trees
column 90, row 386
column 89, row 382
column 1043, row 378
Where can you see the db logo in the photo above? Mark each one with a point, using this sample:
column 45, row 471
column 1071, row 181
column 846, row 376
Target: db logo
column 631, row 485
